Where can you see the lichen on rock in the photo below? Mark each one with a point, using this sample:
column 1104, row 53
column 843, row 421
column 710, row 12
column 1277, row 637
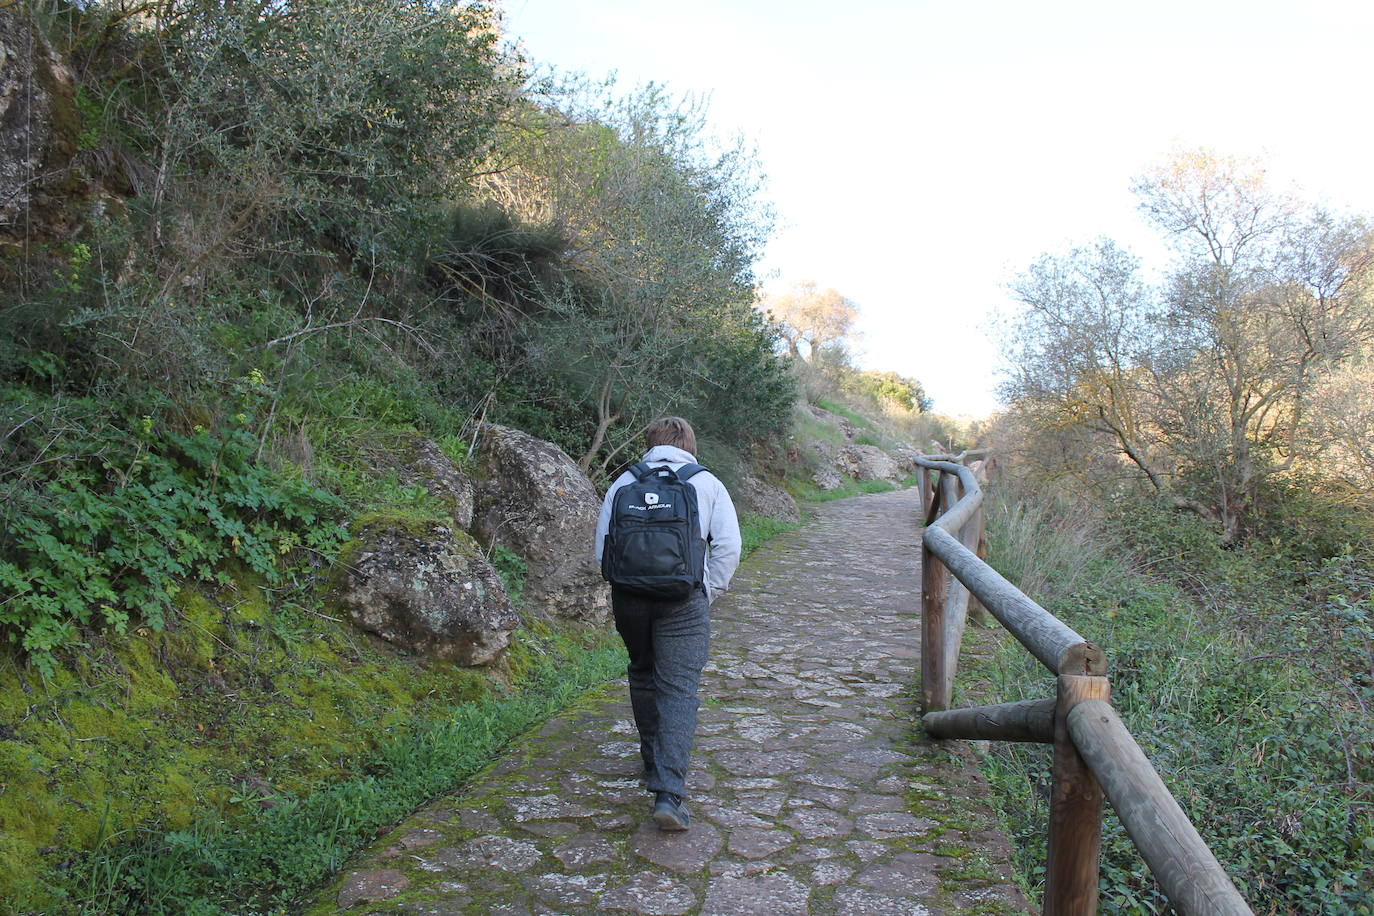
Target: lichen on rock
column 534, row 500
column 427, row 589
column 763, row 498
column 36, row 90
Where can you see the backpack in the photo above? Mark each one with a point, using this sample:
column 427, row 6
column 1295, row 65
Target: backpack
column 653, row 546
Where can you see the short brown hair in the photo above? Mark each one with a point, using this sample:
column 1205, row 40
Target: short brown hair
column 673, row 431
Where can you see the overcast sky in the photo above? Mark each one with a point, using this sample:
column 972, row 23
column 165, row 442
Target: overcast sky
column 919, row 154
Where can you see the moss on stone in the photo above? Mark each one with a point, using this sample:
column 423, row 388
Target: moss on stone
column 236, row 699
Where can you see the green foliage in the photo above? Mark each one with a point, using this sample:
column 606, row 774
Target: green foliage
column 1246, row 686
column 105, row 540
column 654, row 313
column 361, row 112
column 511, row 567
column 1307, row 518
column 890, row 390
column 92, row 114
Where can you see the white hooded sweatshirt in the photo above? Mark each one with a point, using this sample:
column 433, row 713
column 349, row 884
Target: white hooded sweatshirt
column 719, row 524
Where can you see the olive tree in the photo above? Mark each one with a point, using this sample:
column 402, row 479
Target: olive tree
column 661, row 228
column 1203, row 383
column 807, row 314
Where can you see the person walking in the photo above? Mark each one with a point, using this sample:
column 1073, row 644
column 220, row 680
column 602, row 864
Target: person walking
column 666, row 627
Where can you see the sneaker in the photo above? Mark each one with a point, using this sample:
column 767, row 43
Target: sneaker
column 669, row 812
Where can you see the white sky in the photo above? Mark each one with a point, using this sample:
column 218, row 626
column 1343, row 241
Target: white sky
column 920, row 154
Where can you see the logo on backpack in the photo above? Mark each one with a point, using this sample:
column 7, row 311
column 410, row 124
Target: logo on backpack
column 654, row 546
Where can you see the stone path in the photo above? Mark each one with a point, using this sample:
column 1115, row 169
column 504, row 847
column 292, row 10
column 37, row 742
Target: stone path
column 812, row 791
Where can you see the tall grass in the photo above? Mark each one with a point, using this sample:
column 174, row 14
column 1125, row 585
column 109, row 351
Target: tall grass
column 1226, row 669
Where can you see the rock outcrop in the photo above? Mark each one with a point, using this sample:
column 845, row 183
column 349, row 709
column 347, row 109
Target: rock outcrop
column 905, row 456
column 36, row 91
column 533, row 499
column 427, row 589
column 868, row 462
column 858, row 462
column 828, row 478
column 762, row 498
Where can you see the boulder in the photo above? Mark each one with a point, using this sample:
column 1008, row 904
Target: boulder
column 868, row 462
column 428, row 589
column 822, row 456
column 905, row 456
column 762, row 498
column 828, row 479
column 846, row 462
column 427, row 466
column 36, row 92
column 533, row 499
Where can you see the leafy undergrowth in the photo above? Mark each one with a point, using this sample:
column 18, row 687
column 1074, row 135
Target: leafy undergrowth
column 1244, row 678
column 233, row 759
column 102, row 526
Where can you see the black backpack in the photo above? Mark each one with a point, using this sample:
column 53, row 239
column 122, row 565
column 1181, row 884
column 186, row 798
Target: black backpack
column 654, row 545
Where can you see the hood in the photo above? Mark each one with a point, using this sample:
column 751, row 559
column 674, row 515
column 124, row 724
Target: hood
column 669, row 453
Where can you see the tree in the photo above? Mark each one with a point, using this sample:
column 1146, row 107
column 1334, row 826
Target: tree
column 813, row 316
column 1081, row 349
column 652, row 310
column 889, row 389
column 1204, row 383
column 1342, row 420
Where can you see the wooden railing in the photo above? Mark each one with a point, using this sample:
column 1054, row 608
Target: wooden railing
column 1093, row 751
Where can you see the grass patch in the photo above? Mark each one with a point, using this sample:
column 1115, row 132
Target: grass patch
column 806, row 491
column 808, row 426
column 756, row 530
column 853, row 416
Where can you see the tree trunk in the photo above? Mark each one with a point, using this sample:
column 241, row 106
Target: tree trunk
column 604, row 419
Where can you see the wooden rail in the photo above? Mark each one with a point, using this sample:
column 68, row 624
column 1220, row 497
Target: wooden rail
column 1094, row 754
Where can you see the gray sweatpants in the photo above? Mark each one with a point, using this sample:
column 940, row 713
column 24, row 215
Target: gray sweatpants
column 668, row 642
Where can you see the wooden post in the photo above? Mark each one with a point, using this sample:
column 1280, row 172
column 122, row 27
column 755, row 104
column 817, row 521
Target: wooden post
column 933, row 505
column 934, row 585
column 1075, row 809
column 976, row 540
column 956, row 601
column 925, row 491
column 1048, row 638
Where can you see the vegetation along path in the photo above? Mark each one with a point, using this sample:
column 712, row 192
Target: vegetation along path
column 812, row 791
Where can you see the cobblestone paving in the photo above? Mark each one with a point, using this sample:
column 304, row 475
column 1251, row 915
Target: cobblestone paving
column 812, row 791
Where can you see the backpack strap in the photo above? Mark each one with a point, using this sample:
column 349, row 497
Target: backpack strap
column 642, row 471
